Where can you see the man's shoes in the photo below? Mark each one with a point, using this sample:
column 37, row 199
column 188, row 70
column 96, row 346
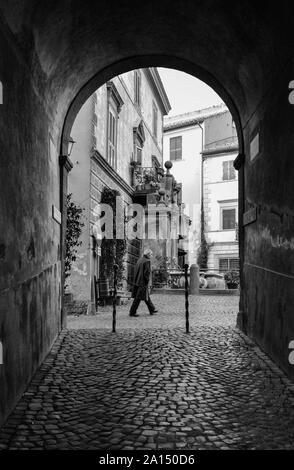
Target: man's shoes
column 133, row 315
column 153, row 311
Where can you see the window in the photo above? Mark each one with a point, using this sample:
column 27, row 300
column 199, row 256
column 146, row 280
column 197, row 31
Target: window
column 139, row 139
column 139, row 155
column 111, row 150
column 137, row 88
column 175, row 148
column 114, row 103
column 155, row 162
column 229, row 172
column 228, row 264
column 228, row 219
column 155, row 120
column 93, row 134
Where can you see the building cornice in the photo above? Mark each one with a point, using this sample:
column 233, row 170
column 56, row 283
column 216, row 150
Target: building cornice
column 154, row 78
column 113, row 92
column 217, row 151
column 193, row 118
column 112, row 173
column 182, row 124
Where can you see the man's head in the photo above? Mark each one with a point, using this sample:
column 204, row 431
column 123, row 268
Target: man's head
column 147, row 253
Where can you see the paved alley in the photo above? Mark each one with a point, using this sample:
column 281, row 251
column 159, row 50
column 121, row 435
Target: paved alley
column 152, row 386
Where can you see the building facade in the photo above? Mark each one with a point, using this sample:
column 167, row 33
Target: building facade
column 118, row 136
column 202, row 146
column 220, row 193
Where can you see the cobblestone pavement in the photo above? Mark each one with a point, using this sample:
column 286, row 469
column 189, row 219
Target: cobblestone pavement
column 204, row 310
column 152, row 386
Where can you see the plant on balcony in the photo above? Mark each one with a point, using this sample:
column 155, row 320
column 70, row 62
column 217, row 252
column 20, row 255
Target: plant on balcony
column 137, row 177
column 148, row 177
column 232, row 279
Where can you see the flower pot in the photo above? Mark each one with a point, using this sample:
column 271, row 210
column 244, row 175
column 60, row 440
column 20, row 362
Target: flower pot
column 232, row 285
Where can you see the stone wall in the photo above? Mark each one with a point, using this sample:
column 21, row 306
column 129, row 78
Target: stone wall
column 30, row 267
column 268, row 290
column 54, row 55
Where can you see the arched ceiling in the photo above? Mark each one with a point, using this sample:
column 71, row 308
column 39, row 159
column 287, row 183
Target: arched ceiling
column 229, row 44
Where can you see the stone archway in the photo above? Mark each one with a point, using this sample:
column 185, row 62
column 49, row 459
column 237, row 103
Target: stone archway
column 51, row 52
column 141, row 62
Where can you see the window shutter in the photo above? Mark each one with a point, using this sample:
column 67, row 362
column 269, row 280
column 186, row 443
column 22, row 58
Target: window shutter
column 176, row 148
column 228, row 264
column 139, row 155
column 229, row 219
column 223, row 264
column 225, row 171
column 234, row 264
column 232, row 171
column 111, row 139
column 229, row 172
column 137, row 88
column 155, row 121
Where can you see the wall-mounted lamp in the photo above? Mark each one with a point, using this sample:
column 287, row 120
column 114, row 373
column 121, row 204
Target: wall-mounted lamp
column 71, row 143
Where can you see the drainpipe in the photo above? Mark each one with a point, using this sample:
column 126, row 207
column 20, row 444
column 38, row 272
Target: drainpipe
column 202, row 190
column 202, row 148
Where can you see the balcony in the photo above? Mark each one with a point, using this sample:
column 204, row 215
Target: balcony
column 146, row 179
column 153, row 185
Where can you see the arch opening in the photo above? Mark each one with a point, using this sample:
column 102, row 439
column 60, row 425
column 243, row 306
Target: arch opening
column 135, row 63
column 145, row 61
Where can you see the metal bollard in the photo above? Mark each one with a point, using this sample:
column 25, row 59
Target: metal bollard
column 194, row 279
column 115, row 269
column 186, row 266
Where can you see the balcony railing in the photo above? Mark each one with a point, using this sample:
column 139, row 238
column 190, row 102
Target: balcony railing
column 145, row 177
column 208, row 279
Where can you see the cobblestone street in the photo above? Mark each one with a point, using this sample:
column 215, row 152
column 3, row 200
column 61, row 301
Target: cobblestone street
column 152, row 386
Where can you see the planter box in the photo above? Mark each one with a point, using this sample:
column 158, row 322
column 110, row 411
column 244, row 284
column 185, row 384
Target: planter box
column 232, row 285
column 201, row 291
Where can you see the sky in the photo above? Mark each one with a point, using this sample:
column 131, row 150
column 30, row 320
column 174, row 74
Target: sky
column 185, row 92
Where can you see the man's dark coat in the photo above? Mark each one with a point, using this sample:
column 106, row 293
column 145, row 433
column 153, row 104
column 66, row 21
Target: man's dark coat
column 141, row 278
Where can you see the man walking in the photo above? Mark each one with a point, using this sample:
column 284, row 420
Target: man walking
column 141, row 284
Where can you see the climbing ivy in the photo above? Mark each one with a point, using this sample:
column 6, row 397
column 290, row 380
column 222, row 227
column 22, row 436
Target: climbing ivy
column 74, row 227
column 112, row 250
column 202, row 257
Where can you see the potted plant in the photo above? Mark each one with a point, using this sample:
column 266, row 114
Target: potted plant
column 232, row 279
column 74, row 227
column 148, row 179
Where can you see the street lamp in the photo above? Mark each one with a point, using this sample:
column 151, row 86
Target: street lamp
column 71, row 143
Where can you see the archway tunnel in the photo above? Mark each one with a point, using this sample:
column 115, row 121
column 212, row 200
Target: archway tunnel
column 54, row 56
